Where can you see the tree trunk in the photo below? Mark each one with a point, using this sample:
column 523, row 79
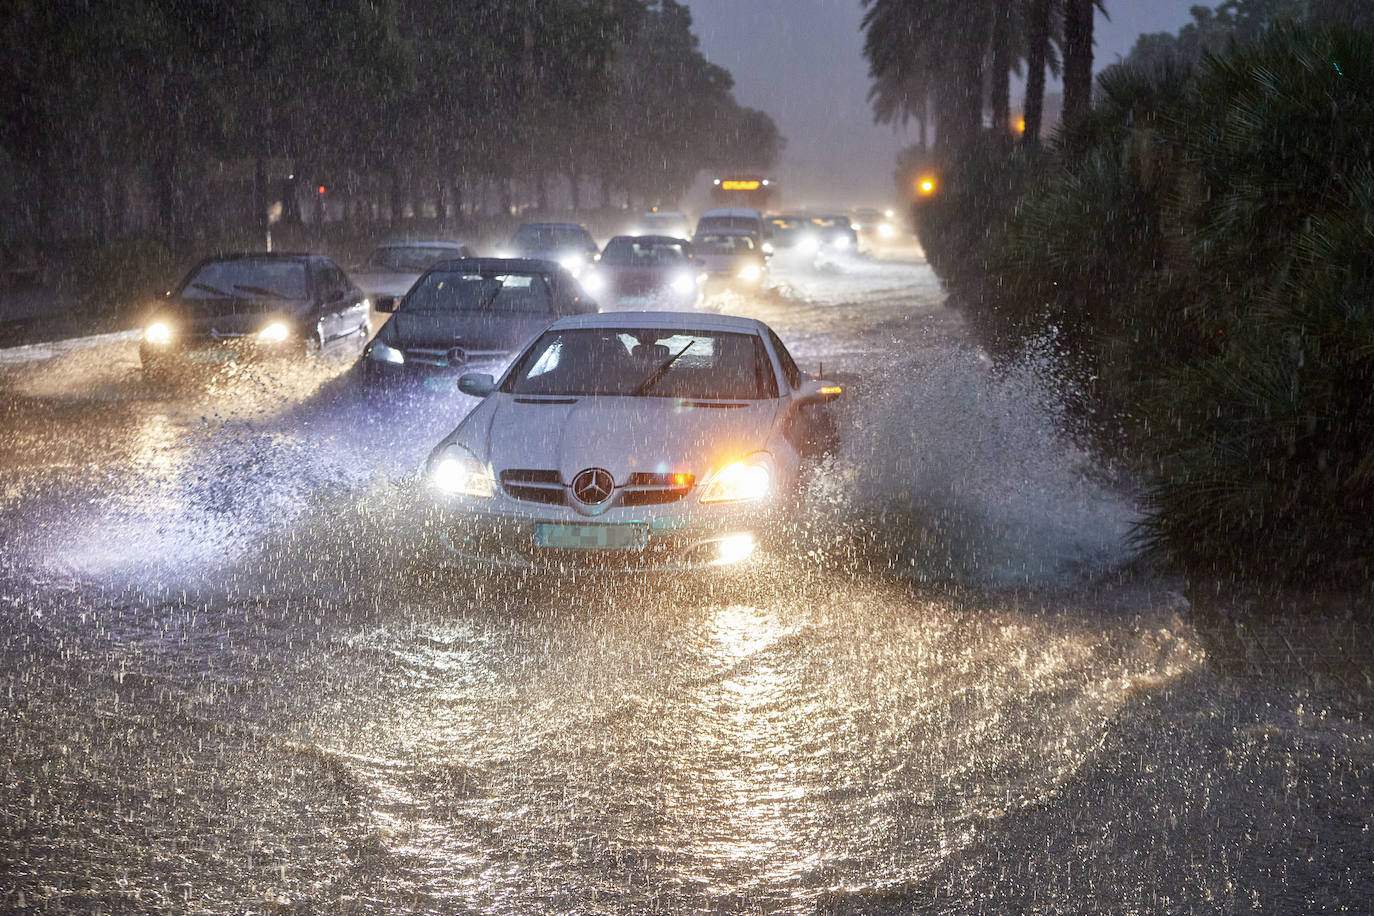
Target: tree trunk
column 960, row 102
column 1000, row 89
column 574, row 188
column 605, row 193
column 440, row 206
column 291, row 201
column 397, row 204
column 458, row 201
column 541, row 191
column 1039, row 35
column 1078, row 56
column 925, row 121
column 260, row 221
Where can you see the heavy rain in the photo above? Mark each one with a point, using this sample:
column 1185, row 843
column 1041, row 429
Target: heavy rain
column 464, row 458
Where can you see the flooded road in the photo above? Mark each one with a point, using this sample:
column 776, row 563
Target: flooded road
column 231, row 684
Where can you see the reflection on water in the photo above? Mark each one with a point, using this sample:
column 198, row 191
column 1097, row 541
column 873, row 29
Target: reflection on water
column 780, row 752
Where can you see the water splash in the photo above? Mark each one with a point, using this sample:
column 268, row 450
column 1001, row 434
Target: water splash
column 955, row 469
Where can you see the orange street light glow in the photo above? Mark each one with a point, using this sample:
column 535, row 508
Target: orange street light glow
column 926, row 186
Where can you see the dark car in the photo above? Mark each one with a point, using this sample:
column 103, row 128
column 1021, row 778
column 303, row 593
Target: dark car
column 570, row 244
column 472, row 309
column 253, row 304
column 649, row 271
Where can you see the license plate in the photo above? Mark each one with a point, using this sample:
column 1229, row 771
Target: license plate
column 219, row 355
column 592, row 537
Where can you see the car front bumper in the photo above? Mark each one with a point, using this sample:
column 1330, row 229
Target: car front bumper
column 563, row 543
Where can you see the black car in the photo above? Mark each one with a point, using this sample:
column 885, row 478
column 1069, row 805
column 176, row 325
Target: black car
column 646, row 271
column 471, row 309
column 253, row 304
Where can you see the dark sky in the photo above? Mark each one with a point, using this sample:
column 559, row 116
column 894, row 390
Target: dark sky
column 801, row 61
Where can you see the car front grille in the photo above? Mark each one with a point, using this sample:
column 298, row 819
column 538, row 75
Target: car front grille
column 641, row 489
column 535, row 486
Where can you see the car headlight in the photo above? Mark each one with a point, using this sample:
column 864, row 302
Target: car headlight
column 573, row 263
column 458, row 471
column 886, row 230
column 767, row 247
column 159, row 333
column 275, row 332
column 384, row 354
column 594, row 282
column 809, row 244
column 751, row 273
column 684, row 283
column 740, row 481
column 841, row 241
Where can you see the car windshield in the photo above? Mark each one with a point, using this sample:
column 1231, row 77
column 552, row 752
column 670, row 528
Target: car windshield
column 645, row 362
column 547, row 238
column 247, row 278
column 408, row 258
column 626, row 252
column 444, row 291
column 726, row 223
column 725, row 243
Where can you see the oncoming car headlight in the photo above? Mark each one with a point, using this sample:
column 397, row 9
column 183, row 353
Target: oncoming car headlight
column 740, row 481
column 457, row 471
column 159, row 332
column 594, row 282
column 751, row 273
column 684, row 283
column 275, row 332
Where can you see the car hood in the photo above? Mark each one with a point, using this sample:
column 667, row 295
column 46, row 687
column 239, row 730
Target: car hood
column 506, row 331
column 725, row 261
column 620, row 434
column 233, row 316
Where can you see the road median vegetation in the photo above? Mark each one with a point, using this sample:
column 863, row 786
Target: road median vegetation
column 1200, row 245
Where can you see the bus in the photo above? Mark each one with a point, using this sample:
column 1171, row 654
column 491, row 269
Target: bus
column 749, row 191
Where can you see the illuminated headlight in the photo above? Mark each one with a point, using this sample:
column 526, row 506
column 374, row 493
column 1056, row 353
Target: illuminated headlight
column 740, row 481
column 505, row 253
column 751, row 273
column 809, row 244
column 275, row 332
column 159, row 333
column 384, row 354
column 458, row 472
column 594, row 282
column 767, row 247
column 886, row 230
column 572, row 263
column 734, row 549
column 684, row 283
column 841, row 241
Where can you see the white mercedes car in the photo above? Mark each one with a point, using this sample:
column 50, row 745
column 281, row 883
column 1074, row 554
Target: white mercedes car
column 629, row 440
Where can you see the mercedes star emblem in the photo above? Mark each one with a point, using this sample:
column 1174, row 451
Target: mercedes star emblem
column 593, row 486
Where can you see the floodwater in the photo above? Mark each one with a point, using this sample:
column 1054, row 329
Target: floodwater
column 230, row 683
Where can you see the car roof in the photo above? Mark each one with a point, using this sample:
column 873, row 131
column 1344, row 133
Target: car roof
column 550, row 226
column 674, row 214
column 265, row 256
column 434, row 244
column 698, row 321
column 514, row 265
column 665, row 239
column 737, row 212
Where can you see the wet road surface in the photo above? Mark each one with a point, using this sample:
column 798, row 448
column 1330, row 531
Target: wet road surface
column 231, row 684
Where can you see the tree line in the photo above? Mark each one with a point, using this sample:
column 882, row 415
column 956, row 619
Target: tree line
column 120, row 119
column 947, row 63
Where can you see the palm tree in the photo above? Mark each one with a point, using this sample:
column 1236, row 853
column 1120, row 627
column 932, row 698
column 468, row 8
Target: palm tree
column 1078, row 55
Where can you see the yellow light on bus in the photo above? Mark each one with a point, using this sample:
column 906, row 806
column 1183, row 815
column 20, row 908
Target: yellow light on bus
column 732, row 184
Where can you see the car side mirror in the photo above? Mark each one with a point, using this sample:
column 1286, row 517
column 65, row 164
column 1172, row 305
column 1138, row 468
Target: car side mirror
column 816, row 390
column 477, row 384
column 385, row 304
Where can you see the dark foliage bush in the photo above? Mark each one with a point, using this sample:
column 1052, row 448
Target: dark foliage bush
column 1202, row 243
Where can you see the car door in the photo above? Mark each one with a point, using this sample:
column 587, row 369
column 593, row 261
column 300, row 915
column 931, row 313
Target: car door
column 342, row 309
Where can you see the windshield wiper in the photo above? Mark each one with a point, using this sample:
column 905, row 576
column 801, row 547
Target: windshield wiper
column 213, row 290
column 657, row 375
column 260, row 291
